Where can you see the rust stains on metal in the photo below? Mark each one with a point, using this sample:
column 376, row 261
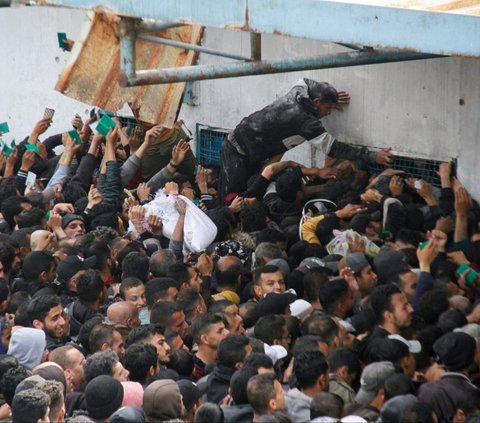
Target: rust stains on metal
column 93, row 72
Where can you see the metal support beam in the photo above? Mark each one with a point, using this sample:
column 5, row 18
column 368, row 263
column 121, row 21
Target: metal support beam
column 230, row 70
column 127, row 47
column 332, row 21
column 194, row 47
column 256, row 46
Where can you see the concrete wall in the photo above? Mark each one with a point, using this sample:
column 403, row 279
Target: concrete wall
column 425, row 108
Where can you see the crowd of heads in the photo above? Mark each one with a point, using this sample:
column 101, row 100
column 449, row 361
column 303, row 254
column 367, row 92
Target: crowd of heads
column 364, row 310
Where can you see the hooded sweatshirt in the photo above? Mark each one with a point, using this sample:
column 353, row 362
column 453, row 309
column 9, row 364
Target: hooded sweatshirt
column 162, row 401
column 28, row 346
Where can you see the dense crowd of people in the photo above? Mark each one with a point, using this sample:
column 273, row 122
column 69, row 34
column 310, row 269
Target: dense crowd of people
column 139, row 286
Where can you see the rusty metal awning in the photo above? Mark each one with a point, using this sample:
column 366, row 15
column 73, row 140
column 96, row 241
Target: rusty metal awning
column 92, row 72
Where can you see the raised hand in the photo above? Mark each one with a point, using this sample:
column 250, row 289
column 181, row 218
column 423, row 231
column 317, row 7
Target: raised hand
column 179, row 152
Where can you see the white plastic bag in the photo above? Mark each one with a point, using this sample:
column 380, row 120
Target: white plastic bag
column 339, row 244
column 198, row 230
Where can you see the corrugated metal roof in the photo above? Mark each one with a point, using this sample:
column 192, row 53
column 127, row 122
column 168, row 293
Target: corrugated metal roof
column 91, row 75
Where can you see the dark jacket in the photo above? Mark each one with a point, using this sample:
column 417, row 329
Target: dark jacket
column 218, row 383
column 444, row 394
column 261, row 134
column 238, row 413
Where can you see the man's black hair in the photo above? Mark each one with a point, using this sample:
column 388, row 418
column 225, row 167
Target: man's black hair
column 432, row 304
column 326, row 404
column 138, row 360
column 239, row 383
column 398, row 384
column 8, row 188
column 161, row 261
column 131, row 247
column 250, row 313
column 12, row 206
column 202, row 325
column 189, row 299
column 381, row 300
column 228, row 276
column 269, row 328
column 10, row 380
column 269, row 268
column 30, row 217
column 313, row 280
column 29, row 405
column 7, row 256
column 4, row 290
column 101, row 250
column 157, row 289
column 163, row 311
column 308, row 367
column 224, row 221
column 143, row 333
column 89, row 286
column 231, row 350
column 421, row 412
column 83, row 337
column 99, row 335
column 289, row 182
column 257, row 360
column 182, row 362
column 270, row 235
column 73, row 192
column 260, row 390
column 179, row 272
column 127, row 283
column 322, row 326
column 325, row 92
column 136, row 265
column 17, row 299
column 253, row 218
column 219, row 306
column 7, row 362
column 340, row 357
column 39, row 307
column 333, row 293
column 100, row 363
column 22, row 236
column 306, row 343
column 35, row 263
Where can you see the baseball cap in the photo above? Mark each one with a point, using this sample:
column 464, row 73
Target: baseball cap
column 356, row 262
column 472, row 329
column 413, row 346
column 275, row 303
column 373, row 377
column 275, row 352
column 190, row 392
column 71, row 265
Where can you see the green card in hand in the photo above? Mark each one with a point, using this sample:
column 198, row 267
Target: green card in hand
column 74, row 136
column 4, row 128
column 104, row 125
column 7, row 150
column 32, row 147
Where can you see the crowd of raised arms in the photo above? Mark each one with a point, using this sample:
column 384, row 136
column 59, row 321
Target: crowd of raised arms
column 138, row 286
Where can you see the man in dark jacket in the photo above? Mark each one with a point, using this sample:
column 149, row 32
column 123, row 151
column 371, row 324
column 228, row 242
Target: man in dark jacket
column 457, row 351
column 232, row 352
column 282, row 125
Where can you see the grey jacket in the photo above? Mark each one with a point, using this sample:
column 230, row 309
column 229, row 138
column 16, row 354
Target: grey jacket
column 298, row 405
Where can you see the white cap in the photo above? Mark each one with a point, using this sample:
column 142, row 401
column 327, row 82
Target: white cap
column 413, row 346
column 299, row 307
column 275, row 352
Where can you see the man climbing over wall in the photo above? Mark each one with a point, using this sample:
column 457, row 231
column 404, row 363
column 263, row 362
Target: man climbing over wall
column 291, row 119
